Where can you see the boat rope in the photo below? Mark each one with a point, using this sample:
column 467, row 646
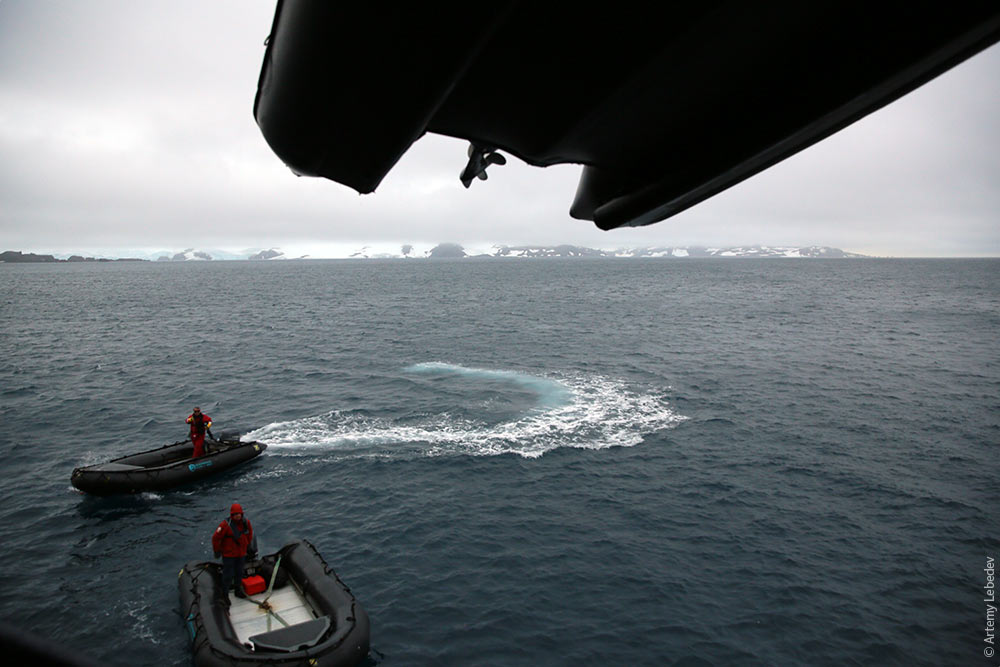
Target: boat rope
column 263, row 604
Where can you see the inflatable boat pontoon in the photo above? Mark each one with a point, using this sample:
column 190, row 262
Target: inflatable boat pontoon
column 305, row 616
column 164, row 468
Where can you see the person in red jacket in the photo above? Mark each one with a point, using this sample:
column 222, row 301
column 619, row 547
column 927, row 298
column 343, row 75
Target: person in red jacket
column 199, row 424
column 234, row 540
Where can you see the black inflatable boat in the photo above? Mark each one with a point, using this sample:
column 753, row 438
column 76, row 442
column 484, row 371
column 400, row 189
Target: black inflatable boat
column 305, row 616
column 164, row 468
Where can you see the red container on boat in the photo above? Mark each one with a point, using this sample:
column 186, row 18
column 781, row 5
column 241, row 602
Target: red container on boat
column 253, row 585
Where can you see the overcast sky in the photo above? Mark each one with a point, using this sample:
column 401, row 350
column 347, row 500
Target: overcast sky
column 128, row 125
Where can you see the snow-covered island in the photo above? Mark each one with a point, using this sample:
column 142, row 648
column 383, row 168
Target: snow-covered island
column 454, row 251
column 458, row 251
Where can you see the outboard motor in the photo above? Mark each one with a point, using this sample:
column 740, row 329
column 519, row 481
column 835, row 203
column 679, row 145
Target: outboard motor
column 227, row 436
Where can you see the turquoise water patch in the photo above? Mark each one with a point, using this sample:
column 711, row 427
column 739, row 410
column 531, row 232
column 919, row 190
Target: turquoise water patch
column 551, row 393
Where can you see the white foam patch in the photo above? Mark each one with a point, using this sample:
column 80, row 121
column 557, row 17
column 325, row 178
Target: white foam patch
column 596, row 413
column 92, row 457
column 139, row 622
column 253, row 478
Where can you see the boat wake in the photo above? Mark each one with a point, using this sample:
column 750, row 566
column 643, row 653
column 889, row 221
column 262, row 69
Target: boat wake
column 585, row 412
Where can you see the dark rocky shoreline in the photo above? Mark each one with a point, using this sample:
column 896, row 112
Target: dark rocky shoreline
column 18, row 257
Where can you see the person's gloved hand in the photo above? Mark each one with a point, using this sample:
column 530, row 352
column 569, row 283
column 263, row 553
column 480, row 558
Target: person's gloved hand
column 218, row 555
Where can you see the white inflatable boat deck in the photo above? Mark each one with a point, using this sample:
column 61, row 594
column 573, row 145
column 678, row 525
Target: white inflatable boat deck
column 248, row 619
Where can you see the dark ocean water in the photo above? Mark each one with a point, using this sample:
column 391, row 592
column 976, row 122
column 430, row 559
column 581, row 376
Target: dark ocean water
column 560, row 462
